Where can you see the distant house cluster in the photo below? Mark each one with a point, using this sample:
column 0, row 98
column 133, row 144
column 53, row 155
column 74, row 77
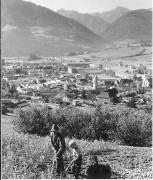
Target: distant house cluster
column 68, row 80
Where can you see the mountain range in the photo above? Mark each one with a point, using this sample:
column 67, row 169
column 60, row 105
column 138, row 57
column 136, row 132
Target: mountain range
column 112, row 15
column 93, row 22
column 132, row 25
column 118, row 24
column 28, row 28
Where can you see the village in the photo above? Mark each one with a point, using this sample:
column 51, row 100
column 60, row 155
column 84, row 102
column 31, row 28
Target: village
column 76, row 89
column 73, row 81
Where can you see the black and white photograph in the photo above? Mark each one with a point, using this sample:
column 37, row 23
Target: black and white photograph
column 76, row 89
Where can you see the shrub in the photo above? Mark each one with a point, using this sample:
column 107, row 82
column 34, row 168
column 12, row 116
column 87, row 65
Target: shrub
column 42, row 80
column 132, row 103
column 135, row 128
column 132, row 127
column 12, row 90
column 73, row 122
column 147, row 108
column 34, row 121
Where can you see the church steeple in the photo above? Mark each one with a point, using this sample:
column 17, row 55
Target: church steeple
column 95, row 82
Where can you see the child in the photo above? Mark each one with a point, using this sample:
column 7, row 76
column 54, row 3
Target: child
column 77, row 159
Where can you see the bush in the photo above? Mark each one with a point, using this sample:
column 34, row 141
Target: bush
column 135, row 128
column 73, row 122
column 34, row 121
column 132, row 127
column 42, row 80
column 147, row 108
column 12, row 90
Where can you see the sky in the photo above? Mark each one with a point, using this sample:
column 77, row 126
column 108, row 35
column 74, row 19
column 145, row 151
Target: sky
column 90, row 6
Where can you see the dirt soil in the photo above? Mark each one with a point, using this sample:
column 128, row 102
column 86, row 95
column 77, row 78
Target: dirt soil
column 125, row 162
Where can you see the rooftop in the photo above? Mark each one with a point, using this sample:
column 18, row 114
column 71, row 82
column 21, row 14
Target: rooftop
column 104, row 76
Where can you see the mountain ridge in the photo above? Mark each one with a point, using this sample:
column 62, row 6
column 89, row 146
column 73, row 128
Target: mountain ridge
column 112, row 15
column 29, row 24
column 94, row 23
column 135, row 24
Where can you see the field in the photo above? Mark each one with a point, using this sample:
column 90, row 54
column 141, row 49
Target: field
column 126, row 55
column 129, row 53
column 22, row 153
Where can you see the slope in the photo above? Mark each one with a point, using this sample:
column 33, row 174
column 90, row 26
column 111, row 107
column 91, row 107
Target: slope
column 27, row 28
column 112, row 15
column 133, row 25
column 94, row 23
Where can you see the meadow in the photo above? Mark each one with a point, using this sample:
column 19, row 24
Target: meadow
column 22, row 153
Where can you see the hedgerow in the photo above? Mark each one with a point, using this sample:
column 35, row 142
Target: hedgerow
column 131, row 127
column 135, row 128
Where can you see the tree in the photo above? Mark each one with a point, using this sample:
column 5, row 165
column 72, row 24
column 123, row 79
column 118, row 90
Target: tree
column 12, row 89
column 16, row 95
column 83, row 94
column 5, row 85
column 46, row 100
column 42, row 80
column 18, row 71
column 3, row 62
column 150, row 82
column 34, row 57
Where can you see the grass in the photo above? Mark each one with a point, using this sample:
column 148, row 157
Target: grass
column 22, row 153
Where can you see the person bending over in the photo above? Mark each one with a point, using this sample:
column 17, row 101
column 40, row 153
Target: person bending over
column 76, row 163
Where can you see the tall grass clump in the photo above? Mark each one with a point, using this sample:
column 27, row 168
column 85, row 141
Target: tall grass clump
column 21, row 153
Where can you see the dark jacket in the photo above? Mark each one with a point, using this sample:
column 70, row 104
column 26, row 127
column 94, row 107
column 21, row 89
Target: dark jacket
column 58, row 143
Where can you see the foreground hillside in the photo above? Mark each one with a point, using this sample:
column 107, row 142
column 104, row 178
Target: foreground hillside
column 29, row 28
column 19, row 151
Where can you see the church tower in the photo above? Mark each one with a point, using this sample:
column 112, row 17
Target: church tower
column 95, row 82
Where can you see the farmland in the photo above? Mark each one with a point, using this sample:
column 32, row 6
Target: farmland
column 127, row 55
column 130, row 53
column 20, row 151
